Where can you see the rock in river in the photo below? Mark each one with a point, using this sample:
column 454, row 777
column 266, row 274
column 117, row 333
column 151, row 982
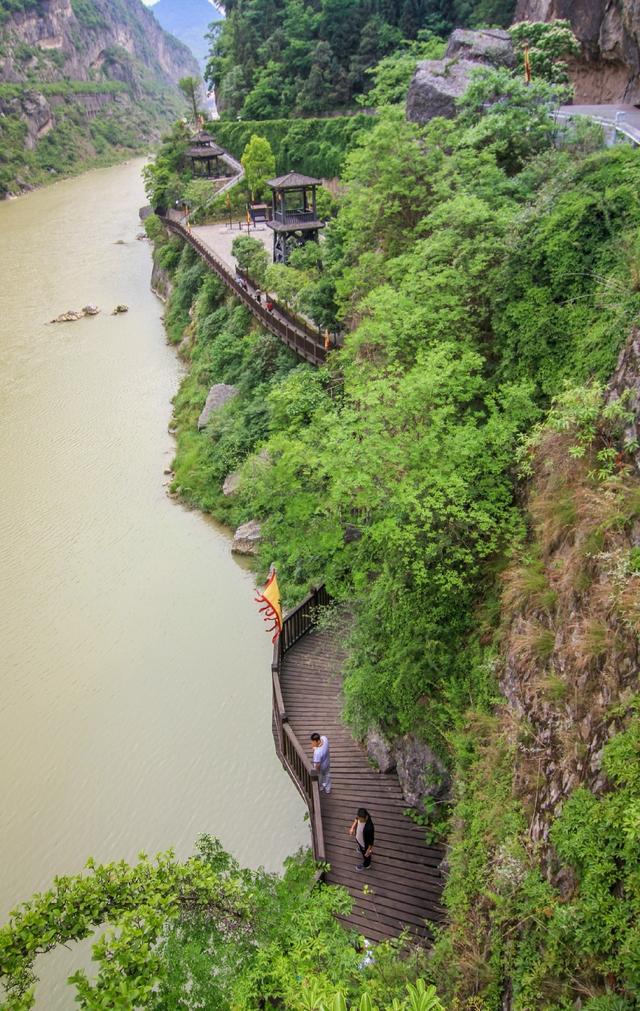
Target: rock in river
column 69, row 316
column 247, row 538
column 119, row 309
column 90, row 310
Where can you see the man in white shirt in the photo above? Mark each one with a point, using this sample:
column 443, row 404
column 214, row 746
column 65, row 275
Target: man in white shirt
column 321, row 761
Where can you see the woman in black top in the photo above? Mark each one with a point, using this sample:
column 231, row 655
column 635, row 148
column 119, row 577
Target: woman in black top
column 362, row 828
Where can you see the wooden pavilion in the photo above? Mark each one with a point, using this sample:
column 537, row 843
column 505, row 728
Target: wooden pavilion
column 294, row 217
column 203, row 152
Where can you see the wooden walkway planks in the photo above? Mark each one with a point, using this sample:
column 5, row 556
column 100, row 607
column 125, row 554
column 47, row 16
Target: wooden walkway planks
column 306, row 343
column 404, row 882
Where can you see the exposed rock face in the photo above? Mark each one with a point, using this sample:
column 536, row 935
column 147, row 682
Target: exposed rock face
column 379, row 751
column 247, row 538
column 626, row 380
column 420, row 772
column 219, row 395
column 435, row 88
column 100, row 43
column 610, row 35
column 438, row 84
column 571, row 649
column 231, row 484
column 492, row 47
column 160, row 281
column 85, row 50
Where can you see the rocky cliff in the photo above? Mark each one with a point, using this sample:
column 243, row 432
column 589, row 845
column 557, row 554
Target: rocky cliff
column 609, row 70
column 78, row 78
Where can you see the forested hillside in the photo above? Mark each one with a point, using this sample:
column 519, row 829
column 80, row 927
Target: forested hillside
column 463, row 475
column 463, row 483
column 81, row 82
column 275, row 58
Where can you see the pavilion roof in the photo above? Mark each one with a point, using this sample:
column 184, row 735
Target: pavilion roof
column 202, row 137
column 293, row 181
column 202, row 151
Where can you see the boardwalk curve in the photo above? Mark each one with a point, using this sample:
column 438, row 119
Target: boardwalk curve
column 403, row 886
column 307, row 343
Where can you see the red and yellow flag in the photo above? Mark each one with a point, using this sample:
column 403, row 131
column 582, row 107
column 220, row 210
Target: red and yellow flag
column 271, row 609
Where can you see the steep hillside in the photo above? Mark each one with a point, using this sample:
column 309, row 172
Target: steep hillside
column 80, row 79
column 189, row 21
column 610, row 35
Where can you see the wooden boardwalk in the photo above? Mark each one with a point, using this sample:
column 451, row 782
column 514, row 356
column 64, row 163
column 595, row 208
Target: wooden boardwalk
column 307, row 343
column 402, row 888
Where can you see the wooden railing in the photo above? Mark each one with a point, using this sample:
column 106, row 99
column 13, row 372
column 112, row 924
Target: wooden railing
column 291, row 753
column 294, row 217
column 307, row 343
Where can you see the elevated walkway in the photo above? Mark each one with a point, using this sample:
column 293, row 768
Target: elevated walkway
column 403, row 886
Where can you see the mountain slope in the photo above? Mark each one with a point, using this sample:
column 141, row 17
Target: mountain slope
column 189, row 21
column 81, row 80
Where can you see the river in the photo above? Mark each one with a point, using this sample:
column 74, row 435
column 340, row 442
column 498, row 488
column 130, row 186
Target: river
column 135, row 707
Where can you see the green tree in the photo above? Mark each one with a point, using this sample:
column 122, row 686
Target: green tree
column 503, row 114
column 259, row 164
column 550, row 45
column 191, row 88
column 252, row 257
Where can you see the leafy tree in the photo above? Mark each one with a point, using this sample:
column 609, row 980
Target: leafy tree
column 259, row 164
column 550, row 44
column 191, row 88
column 165, row 178
column 289, row 58
column 252, row 257
column 503, row 114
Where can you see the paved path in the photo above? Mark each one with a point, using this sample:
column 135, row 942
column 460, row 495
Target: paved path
column 220, row 239
column 402, row 888
column 626, row 116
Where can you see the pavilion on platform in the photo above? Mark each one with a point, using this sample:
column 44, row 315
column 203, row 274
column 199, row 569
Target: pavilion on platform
column 294, row 216
column 205, row 153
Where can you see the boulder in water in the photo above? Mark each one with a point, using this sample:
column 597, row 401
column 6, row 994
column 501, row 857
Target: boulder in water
column 120, row 309
column 69, row 316
column 90, row 310
column 247, row 538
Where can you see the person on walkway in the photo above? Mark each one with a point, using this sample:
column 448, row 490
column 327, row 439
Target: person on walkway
column 258, row 296
column 322, row 761
column 269, row 304
column 362, row 828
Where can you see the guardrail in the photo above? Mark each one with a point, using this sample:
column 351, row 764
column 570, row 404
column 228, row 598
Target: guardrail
column 305, row 342
column 291, row 753
column 617, row 127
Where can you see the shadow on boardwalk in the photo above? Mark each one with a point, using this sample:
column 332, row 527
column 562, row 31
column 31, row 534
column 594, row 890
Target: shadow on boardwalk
column 402, row 888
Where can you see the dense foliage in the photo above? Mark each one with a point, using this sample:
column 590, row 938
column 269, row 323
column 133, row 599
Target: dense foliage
column 276, row 58
column 122, row 108
column 475, row 266
column 315, row 147
column 208, row 933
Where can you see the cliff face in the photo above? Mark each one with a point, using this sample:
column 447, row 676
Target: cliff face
column 80, row 41
column 78, row 79
column 610, row 35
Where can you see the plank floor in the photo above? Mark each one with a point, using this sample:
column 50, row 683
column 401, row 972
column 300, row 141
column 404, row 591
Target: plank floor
column 402, row 888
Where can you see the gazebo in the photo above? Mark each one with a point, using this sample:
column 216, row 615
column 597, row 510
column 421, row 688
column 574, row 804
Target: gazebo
column 294, row 215
column 204, row 151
